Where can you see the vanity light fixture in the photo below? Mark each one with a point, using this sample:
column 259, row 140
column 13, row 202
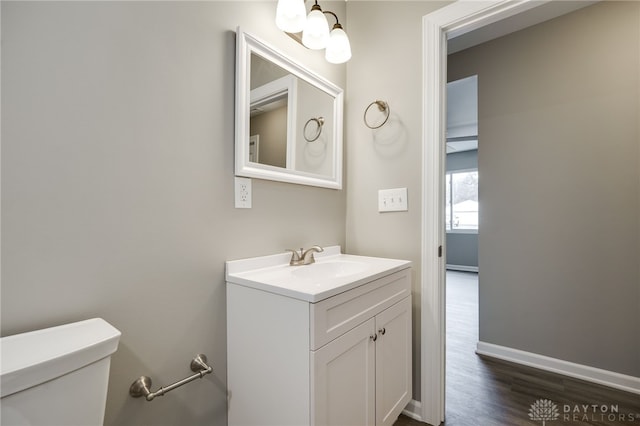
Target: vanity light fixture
column 291, row 15
column 338, row 48
column 315, row 34
column 315, row 29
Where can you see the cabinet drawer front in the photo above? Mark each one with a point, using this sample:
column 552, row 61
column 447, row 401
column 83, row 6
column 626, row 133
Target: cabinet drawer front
column 338, row 314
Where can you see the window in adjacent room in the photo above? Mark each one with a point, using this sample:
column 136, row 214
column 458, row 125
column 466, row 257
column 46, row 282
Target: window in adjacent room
column 462, row 201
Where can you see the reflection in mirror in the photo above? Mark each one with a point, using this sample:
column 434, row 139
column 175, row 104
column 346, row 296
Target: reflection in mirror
column 270, row 123
column 279, row 108
column 312, row 156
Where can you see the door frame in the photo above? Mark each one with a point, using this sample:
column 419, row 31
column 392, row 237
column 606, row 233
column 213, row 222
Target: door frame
column 437, row 27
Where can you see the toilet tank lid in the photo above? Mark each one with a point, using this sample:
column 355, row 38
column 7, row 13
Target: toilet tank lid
column 31, row 358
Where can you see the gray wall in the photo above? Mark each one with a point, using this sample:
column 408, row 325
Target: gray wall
column 387, row 63
column 462, row 251
column 117, row 185
column 462, row 248
column 559, row 117
column 464, row 160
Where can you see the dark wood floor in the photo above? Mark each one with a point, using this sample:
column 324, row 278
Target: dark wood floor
column 486, row 392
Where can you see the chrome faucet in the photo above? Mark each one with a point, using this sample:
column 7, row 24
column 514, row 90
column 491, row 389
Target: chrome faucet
column 304, row 257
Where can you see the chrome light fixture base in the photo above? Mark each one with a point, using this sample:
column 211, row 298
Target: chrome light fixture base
column 313, row 32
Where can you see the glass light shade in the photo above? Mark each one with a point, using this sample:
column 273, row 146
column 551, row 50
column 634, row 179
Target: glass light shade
column 316, row 31
column 291, row 15
column 338, row 48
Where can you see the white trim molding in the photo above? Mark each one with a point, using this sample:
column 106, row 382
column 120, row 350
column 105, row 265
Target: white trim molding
column 578, row 371
column 413, row 410
column 462, row 268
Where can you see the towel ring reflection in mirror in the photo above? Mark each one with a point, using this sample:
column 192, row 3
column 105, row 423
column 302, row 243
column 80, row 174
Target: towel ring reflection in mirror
column 382, row 107
column 319, row 122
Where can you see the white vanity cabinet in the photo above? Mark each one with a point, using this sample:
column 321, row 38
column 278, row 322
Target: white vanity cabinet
column 364, row 376
column 342, row 360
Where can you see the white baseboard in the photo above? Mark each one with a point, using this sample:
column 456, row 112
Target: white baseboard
column 413, row 410
column 463, row 268
column 578, row 371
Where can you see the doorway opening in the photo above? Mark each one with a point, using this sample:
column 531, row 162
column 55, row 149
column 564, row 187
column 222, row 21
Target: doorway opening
column 448, row 23
column 461, row 175
column 461, row 230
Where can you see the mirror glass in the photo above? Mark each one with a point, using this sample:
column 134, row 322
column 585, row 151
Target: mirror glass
column 288, row 120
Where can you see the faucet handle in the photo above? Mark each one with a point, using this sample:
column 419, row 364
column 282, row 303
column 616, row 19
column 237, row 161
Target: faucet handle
column 307, row 256
column 295, row 256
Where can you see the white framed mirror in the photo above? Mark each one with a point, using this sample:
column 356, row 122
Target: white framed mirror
column 288, row 119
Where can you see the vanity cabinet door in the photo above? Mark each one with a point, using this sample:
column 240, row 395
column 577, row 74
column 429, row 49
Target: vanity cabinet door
column 343, row 379
column 393, row 362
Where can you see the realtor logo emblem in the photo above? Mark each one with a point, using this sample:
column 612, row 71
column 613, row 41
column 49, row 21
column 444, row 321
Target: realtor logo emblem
column 544, row 410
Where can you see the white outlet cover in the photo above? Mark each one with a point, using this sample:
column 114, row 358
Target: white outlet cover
column 243, row 193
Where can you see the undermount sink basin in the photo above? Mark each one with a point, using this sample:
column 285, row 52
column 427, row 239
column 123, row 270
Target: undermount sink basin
column 329, row 269
column 331, row 274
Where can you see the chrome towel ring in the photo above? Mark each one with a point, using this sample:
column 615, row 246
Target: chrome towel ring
column 382, row 107
column 319, row 123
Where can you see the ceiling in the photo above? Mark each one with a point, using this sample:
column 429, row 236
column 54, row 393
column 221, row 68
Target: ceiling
column 462, row 114
column 545, row 11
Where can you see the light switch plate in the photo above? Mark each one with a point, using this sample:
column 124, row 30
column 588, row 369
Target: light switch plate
column 393, row 200
column 243, row 193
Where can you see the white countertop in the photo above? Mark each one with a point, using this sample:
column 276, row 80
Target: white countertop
column 331, row 274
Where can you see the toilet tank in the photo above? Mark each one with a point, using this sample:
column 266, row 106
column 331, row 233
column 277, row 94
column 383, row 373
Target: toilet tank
column 58, row 375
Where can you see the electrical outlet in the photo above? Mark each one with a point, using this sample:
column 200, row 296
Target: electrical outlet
column 243, row 193
column 392, row 200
